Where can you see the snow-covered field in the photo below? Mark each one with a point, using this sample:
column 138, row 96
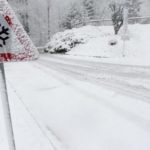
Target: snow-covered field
column 65, row 103
column 95, row 41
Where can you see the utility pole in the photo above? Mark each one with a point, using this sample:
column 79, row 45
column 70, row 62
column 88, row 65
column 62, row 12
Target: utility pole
column 48, row 18
column 26, row 17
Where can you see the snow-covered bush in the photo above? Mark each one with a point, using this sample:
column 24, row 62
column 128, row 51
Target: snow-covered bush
column 63, row 42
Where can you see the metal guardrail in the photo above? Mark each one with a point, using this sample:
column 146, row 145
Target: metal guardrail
column 145, row 17
column 109, row 21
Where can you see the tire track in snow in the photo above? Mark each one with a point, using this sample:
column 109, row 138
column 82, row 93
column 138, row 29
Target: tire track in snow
column 116, row 82
column 128, row 115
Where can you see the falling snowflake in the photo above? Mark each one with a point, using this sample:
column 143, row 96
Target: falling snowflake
column 4, row 35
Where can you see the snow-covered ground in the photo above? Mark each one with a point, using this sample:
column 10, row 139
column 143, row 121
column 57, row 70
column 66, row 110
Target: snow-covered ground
column 62, row 103
column 95, row 41
column 90, row 98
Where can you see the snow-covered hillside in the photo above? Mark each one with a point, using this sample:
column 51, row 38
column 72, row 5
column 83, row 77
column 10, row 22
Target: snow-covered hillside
column 95, row 41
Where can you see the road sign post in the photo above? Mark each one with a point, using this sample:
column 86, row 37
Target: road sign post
column 6, row 109
column 125, row 35
column 15, row 45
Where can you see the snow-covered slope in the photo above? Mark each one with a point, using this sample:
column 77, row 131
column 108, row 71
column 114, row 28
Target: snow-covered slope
column 95, row 41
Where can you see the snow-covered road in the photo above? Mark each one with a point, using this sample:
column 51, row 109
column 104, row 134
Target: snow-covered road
column 126, row 79
column 66, row 103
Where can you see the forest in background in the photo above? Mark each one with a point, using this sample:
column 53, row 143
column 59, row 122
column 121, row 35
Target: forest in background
column 43, row 18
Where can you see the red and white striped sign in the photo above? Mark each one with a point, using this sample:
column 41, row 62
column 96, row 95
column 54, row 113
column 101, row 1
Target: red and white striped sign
column 15, row 44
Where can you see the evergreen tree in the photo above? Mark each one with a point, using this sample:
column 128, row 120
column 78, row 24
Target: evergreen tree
column 134, row 7
column 89, row 10
column 73, row 18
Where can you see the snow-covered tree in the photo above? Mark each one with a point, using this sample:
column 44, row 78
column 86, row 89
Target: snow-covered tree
column 73, row 18
column 33, row 14
column 33, row 17
column 117, row 15
column 134, row 7
column 21, row 7
column 89, row 9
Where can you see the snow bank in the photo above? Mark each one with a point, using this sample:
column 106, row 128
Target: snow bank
column 101, row 42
